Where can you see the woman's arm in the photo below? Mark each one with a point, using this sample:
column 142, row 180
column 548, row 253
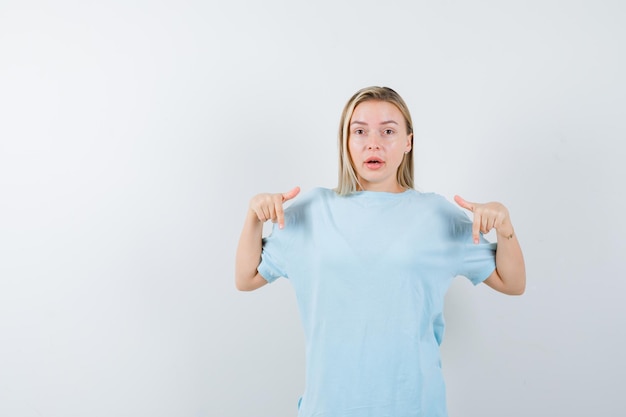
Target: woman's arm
column 263, row 207
column 248, row 257
column 509, row 276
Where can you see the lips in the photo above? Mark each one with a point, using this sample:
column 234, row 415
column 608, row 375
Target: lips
column 374, row 163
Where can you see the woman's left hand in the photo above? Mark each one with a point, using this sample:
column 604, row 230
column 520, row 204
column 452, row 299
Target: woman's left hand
column 488, row 216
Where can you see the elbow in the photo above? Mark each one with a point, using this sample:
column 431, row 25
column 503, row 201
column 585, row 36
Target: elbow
column 249, row 283
column 240, row 286
column 520, row 289
column 511, row 284
column 516, row 291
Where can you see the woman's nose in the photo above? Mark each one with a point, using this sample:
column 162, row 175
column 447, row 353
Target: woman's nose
column 374, row 142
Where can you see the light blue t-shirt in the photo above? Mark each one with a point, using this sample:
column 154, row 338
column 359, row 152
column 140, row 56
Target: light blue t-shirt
column 370, row 271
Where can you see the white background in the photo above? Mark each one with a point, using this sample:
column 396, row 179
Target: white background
column 133, row 134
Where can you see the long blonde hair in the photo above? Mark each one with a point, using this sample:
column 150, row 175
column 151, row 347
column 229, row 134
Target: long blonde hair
column 348, row 181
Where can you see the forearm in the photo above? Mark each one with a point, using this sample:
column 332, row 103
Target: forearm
column 510, row 262
column 248, row 254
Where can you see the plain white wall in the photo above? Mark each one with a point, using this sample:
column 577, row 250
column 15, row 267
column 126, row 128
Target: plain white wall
column 133, row 134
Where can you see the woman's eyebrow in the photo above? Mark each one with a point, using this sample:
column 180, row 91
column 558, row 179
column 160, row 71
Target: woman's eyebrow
column 386, row 122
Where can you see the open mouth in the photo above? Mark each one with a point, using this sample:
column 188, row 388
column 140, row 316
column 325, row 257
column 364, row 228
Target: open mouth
column 374, row 163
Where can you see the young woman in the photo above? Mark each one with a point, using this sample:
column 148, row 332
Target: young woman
column 370, row 263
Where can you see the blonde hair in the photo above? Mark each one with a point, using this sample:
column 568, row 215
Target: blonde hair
column 348, row 181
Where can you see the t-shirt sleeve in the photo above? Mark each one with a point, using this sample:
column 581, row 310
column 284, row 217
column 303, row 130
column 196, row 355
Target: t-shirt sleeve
column 277, row 247
column 478, row 261
column 274, row 256
column 281, row 246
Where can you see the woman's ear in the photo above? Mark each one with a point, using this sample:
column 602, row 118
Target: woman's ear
column 409, row 143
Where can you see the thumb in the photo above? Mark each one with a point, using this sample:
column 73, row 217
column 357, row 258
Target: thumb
column 291, row 194
column 464, row 203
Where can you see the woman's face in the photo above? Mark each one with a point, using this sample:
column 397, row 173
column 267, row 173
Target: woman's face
column 377, row 142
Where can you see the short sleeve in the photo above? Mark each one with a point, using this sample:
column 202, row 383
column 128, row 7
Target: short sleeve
column 273, row 256
column 479, row 261
column 276, row 248
column 282, row 246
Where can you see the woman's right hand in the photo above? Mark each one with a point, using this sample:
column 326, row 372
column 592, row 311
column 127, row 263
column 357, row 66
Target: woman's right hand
column 268, row 206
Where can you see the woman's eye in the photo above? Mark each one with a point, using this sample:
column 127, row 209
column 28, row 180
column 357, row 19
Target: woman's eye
column 359, row 132
column 388, row 132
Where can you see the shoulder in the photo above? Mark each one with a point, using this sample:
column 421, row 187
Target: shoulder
column 312, row 197
column 440, row 206
column 321, row 192
column 430, row 199
column 309, row 202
